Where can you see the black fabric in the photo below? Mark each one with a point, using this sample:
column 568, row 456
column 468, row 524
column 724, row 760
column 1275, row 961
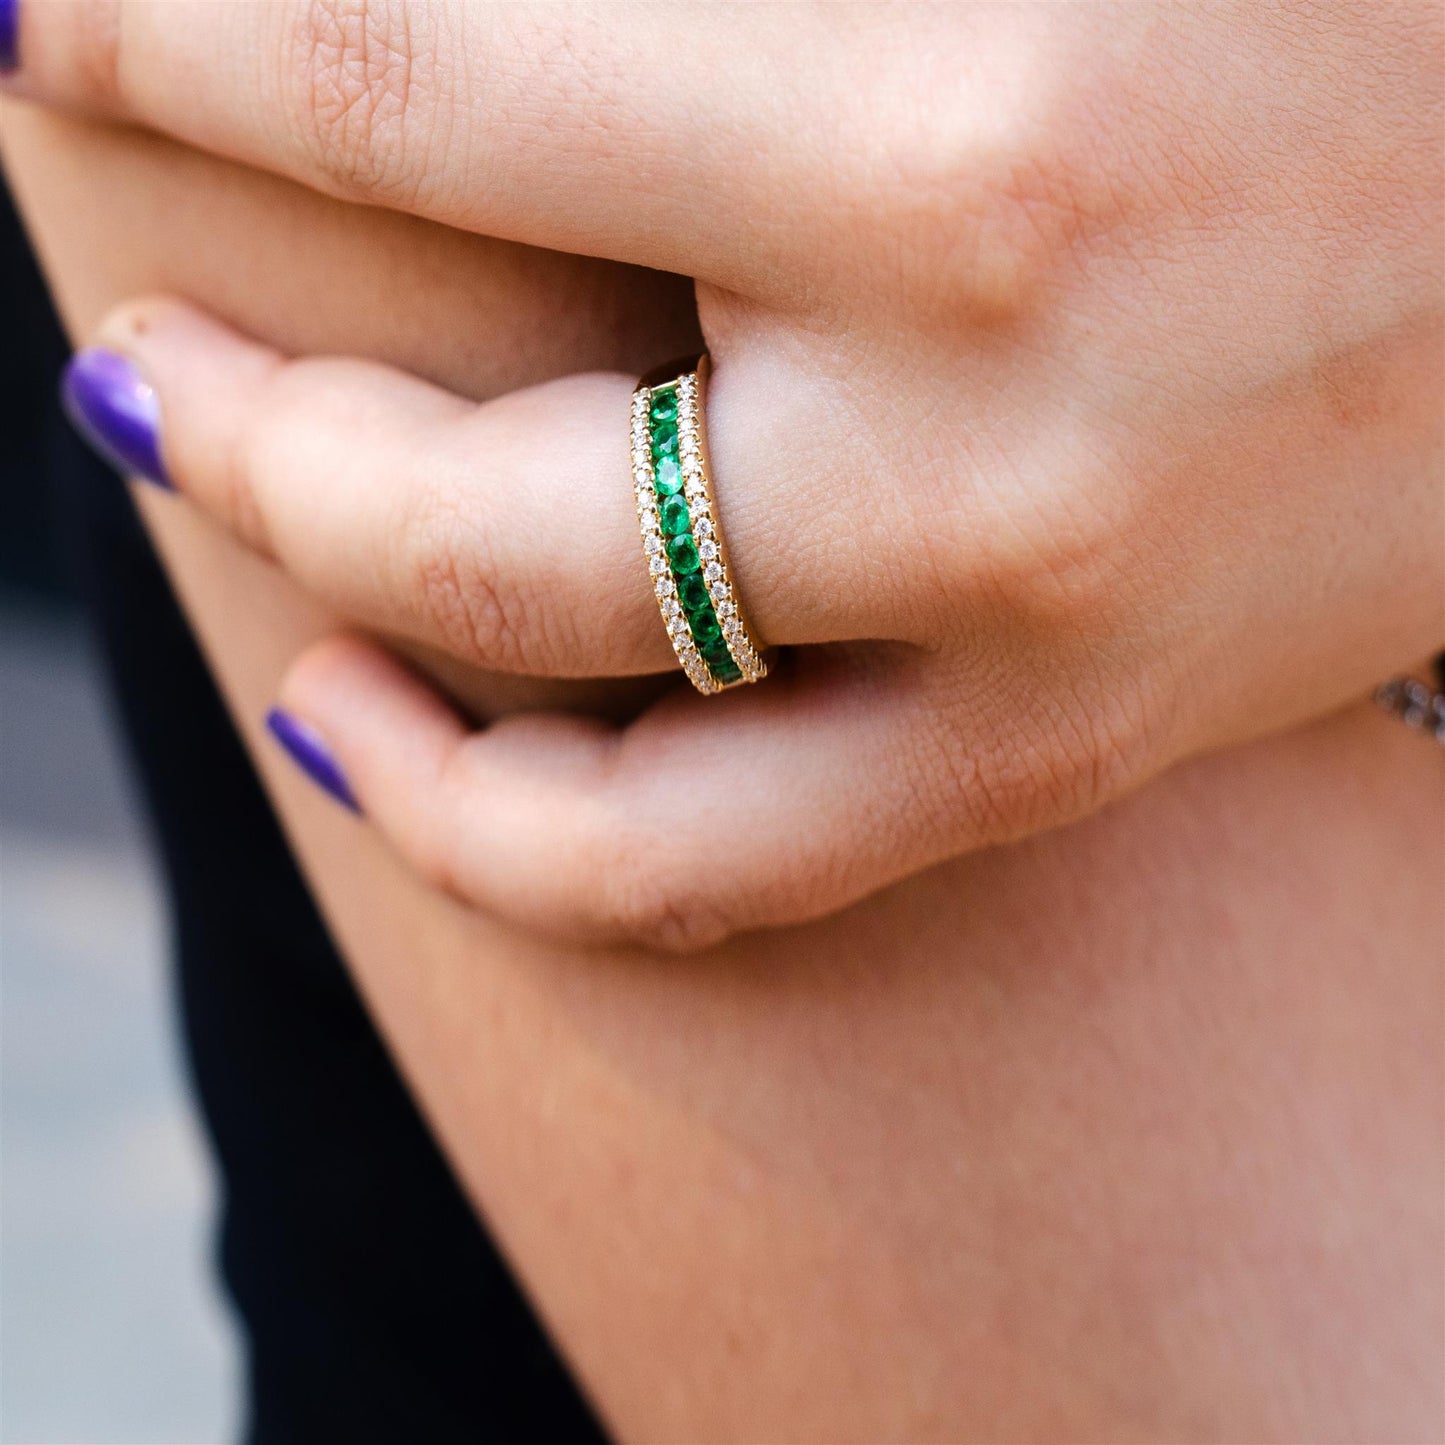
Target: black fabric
column 374, row 1306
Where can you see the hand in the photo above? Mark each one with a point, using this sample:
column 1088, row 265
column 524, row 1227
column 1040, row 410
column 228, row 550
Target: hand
column 1075, row 409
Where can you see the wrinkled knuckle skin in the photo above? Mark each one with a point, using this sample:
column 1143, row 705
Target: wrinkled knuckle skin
column 459, row 603
column 1064, row 545
column 1058, row 753
column 640, row 903
column 357, row 95
column 1063, row 572
column 1096, row 748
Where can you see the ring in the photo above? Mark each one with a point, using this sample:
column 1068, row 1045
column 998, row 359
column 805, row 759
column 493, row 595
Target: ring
column 681, row 536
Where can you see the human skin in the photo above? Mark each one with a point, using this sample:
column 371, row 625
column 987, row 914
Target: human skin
column 1132, row 1131
column 1075, row 410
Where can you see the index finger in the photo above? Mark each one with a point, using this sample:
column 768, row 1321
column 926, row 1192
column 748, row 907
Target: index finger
column 597, row 131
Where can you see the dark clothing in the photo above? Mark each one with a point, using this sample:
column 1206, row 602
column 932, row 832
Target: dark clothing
column 374, row 1306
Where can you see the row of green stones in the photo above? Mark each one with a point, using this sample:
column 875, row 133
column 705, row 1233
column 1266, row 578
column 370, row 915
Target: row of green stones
column 658, row 567
column 679, row 544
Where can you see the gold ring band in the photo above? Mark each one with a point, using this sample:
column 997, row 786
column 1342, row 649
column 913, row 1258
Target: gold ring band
column 681, row 535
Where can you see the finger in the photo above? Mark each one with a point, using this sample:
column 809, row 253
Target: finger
column 504, row 534
column 595, row 130
column 702, row 818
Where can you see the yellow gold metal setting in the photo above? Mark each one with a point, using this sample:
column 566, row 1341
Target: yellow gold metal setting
column 682, row 538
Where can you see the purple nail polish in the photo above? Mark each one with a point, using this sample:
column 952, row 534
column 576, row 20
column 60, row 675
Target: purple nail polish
column 116, row 410
column 308, row 750
column 9, row 34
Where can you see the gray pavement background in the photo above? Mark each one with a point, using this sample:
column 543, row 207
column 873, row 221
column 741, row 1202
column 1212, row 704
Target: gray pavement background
column 111, row 1328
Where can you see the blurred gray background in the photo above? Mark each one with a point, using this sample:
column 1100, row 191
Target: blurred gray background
column 112, row 1331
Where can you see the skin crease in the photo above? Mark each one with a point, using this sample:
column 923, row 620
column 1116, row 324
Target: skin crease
column 1077, row 367
column 1131, row 1132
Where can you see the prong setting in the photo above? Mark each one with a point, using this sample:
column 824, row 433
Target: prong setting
column 682, row 542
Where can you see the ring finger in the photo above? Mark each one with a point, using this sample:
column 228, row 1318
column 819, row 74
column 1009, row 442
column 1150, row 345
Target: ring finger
column 504, row 532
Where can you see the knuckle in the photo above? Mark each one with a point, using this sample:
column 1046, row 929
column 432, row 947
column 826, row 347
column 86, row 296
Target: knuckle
column 97, row 56
column 451, row 579
column 245, row 459
column 638, row 898
column 356, row 95
column 436, row 855
column 239, row 499
column 434, row 840
column 1048, row 750
column 987, row 213
column 1094, row 746
column 1057, row 545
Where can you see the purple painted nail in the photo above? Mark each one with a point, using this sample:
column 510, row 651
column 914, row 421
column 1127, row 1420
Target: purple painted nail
column 9, row 34
column 116, row 410
column 308, row 750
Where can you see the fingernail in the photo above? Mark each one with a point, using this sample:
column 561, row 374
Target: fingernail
column 116, row 410
column 308, row 750
column 9, row 34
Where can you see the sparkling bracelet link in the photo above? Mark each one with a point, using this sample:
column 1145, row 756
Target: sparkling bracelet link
column 682, row 536
column 1416, row 704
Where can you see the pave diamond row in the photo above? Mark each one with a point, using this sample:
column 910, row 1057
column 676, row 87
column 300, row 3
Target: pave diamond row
column 708, row 533
column 682, row 538
column 654, row 551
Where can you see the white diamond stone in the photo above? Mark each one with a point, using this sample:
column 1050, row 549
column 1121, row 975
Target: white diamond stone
column 657, row 566
column 707, row 551
column 653, row 544
column 713, row 572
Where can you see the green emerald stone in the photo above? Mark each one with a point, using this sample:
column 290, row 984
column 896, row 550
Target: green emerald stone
column 724, row 668
column 705, row 630
column 664, row 405
column 667, row 476
column 673, row 515
column 693, row 592
column 682, row 553
column 664, row 439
